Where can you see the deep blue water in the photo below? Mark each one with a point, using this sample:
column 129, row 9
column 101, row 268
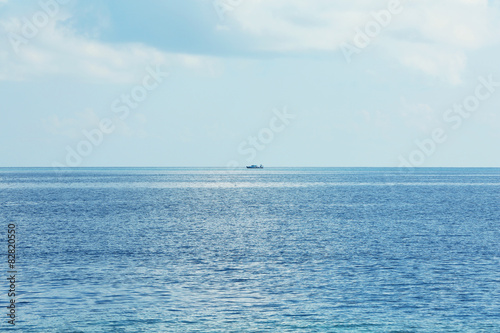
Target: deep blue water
column 277, row 250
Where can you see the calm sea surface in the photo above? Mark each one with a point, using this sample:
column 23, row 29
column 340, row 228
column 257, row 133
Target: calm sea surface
column 272, row 250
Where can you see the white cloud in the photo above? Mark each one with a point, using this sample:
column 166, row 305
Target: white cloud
column 419, row 116
column 430, row 36
column 59, row 52
column 377, row 119
column 72, row 127
column 437, row 61
column 294, row 25
column 56, row 50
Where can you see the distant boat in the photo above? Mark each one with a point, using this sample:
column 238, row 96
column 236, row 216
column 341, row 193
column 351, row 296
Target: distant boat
column 255, row 166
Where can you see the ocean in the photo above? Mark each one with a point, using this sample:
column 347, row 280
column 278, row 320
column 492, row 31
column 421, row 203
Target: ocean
column 271, row 250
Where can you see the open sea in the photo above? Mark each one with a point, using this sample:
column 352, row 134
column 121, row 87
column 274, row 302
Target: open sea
column 271, row 250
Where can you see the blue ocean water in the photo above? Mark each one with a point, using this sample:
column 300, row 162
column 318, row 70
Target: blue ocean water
column 272, row 250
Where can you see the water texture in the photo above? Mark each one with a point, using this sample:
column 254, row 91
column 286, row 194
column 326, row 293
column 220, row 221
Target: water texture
column 272, row 250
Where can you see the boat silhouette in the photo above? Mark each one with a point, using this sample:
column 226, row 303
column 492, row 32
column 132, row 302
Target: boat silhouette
column 255, row 166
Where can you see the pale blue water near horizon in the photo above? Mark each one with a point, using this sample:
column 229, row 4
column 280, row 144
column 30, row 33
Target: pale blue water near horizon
column 272, row 250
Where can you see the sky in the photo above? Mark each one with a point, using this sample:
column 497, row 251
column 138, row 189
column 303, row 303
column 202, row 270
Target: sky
column 169, row 83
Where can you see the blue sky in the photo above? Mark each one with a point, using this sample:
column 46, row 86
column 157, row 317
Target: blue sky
column 275, row 82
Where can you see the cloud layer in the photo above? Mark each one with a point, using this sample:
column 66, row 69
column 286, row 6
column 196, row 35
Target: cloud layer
column 430, row 36
column 41, row 44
